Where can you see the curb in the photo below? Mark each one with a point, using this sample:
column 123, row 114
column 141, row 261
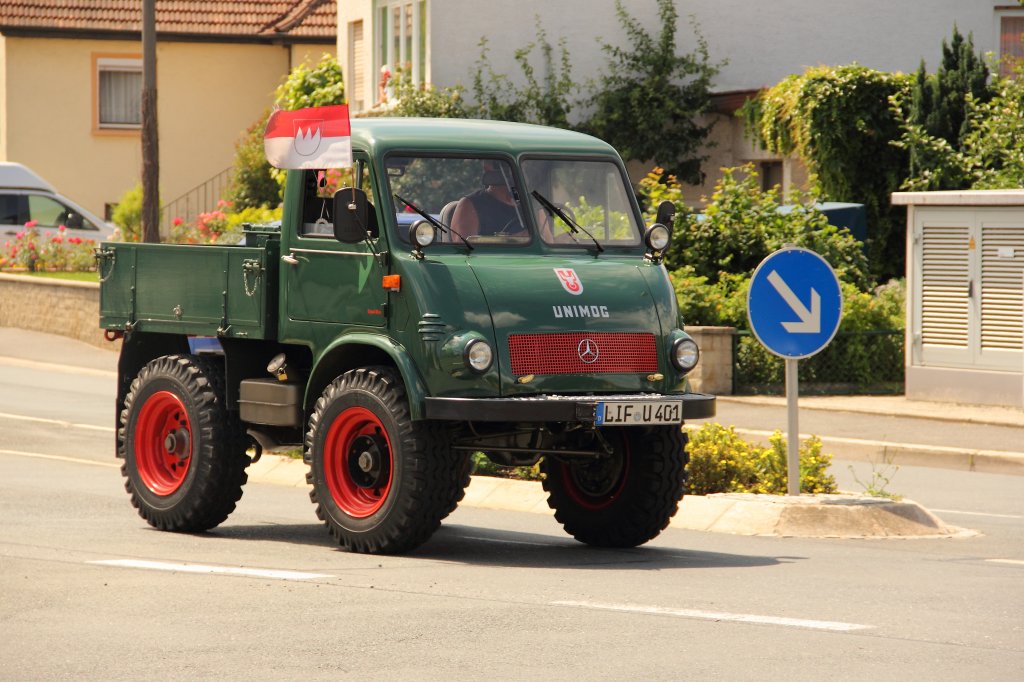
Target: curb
column 809, row 516
column 910, row 454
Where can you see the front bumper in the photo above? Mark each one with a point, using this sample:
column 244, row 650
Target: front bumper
column 554, row 408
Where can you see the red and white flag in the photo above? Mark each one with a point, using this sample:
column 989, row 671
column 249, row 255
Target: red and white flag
column 313, row 138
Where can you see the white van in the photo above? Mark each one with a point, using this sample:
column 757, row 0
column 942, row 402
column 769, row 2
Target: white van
column 25, row 197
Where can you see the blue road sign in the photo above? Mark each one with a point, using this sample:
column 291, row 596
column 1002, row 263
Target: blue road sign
column 794, row 303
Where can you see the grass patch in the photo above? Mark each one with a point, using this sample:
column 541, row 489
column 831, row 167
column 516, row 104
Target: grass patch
column 74, row 276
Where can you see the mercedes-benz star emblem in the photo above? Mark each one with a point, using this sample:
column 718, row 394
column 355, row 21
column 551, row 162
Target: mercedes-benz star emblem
column 588, row 351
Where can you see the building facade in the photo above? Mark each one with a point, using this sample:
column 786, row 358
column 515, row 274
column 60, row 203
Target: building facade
column 71, row 78
column 760, row 43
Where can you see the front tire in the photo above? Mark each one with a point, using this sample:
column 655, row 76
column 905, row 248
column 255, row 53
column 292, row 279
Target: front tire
column 625, row 498
column 381, row 482
column 184, row 453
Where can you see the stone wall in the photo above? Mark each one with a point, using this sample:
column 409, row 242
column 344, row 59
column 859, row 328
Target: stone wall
column 53, row 306
column 713, row 373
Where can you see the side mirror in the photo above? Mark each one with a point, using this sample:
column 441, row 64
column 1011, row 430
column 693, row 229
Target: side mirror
column 351, row 215
column 666, row 213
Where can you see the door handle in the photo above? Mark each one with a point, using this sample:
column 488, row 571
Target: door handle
column 290, row 259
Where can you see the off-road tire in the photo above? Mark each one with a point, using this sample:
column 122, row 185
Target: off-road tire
column 623, row 500
column 183, row 451
column 411, row 478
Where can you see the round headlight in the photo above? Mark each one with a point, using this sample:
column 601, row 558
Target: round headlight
column 685, row 354
column 658, row 237
column 479, row 355
column 421, row 233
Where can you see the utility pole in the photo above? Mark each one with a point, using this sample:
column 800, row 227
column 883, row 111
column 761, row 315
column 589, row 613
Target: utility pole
column 150, row 142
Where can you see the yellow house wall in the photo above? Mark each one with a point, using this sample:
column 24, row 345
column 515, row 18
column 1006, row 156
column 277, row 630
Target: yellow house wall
column 207, row 94
column 3, row 98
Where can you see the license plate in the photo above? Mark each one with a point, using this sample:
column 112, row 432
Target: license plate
column 639, row 413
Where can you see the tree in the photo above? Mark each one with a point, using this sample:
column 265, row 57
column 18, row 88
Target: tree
column 649, row 98
column 938, row 107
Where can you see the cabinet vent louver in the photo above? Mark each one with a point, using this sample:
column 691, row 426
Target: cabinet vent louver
column 1002, row 265
column 944, row 305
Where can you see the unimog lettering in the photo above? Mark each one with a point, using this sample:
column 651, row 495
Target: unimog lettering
column 580, row 310
column 395, row 322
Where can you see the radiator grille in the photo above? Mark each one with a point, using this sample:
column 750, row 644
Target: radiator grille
column 574, row 353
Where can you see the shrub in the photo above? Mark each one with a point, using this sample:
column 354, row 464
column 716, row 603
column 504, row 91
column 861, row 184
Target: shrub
column 34, row 251
column 742, row 224
column 838, row 120
column 127, row 215
column 223, row 224
column 722, row 462
column 252, row 184
column 545, row 103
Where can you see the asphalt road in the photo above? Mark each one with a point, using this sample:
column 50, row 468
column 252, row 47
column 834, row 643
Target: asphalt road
column 89, row 592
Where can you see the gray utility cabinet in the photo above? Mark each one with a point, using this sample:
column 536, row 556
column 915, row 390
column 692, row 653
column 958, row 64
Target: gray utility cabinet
column 965, row 296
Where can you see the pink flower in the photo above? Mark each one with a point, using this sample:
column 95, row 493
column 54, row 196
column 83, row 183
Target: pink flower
column 177, row 221
column 19, row 235
column 32, row 223
column 61, row 228
column 74, row 240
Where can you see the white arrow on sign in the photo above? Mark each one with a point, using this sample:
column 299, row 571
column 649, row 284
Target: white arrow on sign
column 810, row 320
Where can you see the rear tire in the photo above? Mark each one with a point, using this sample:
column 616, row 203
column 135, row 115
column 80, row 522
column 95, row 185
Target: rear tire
column 625, row 499
column 381, row 482
column 184, row 453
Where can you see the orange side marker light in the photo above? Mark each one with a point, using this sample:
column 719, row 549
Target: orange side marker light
column 392, row 282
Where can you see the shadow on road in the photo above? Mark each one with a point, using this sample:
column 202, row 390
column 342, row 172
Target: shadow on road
column 472, row 545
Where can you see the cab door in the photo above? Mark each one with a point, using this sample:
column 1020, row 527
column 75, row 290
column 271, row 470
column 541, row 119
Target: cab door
column 327, row 281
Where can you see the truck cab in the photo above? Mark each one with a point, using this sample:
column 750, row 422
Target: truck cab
column 467, row 286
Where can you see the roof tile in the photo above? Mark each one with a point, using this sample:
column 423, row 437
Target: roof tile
column 235, row 18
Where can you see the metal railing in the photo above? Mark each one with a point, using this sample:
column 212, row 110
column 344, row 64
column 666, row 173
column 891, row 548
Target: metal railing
column 866, row 362
column 199, row 199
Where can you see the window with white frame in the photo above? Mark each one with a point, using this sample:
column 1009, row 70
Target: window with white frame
column 401, row 44
column 118, row 93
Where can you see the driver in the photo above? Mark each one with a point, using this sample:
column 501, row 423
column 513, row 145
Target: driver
column 488, row 211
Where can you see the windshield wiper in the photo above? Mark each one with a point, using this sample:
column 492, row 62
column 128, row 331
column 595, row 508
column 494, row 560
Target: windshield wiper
column 573, row 226
column 434, row 221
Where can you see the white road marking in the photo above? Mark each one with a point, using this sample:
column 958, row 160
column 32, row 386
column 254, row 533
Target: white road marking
column 59, row 458
column 833, row 626
column 56, row 422
column 200, row 568
column 54, row 367
column 970, row 513
column 1012, row 562
column 508, row 542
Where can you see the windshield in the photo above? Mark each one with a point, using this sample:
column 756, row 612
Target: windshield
column 476, row 197
column 592, row 193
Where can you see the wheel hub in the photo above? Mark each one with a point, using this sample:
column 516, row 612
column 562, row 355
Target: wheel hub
column 368, row 460
column 177, row 443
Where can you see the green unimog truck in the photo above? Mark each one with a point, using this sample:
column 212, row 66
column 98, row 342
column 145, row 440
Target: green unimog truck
column 467, row 286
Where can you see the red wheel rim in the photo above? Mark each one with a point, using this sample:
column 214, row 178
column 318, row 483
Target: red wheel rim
column 163, row 443
column 358, row 465
column 597, row 485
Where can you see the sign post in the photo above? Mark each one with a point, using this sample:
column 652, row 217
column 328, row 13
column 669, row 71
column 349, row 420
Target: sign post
column 794, row 306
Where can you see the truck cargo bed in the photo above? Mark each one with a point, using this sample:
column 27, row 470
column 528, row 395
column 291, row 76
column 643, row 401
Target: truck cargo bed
column 226, row 291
